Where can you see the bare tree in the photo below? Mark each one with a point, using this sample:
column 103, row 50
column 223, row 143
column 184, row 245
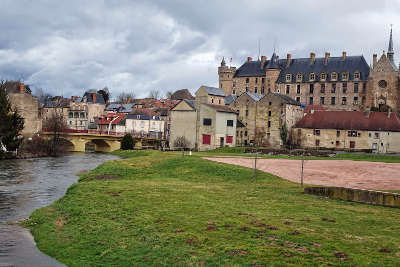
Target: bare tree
column 154, row 94
column 126, row 97
column 56, row 125
column 181, row 142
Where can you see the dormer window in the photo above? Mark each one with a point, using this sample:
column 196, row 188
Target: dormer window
column 334, row 76
column 312, row 76
column 345, row 76
column 299, row 77
column 356, row 75
column 323, row 76
column 288, row 77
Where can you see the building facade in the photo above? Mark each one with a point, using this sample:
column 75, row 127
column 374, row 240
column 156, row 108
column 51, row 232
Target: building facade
column 336, row 83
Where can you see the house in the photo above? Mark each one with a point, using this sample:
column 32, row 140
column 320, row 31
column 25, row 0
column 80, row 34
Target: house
column 264, row 116
column 182, row 94
column 111, row 123
column 145, row 123
column 206, row 123
column 349, row 130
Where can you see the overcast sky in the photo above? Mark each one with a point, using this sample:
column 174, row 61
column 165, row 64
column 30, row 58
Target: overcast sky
column 66, row 47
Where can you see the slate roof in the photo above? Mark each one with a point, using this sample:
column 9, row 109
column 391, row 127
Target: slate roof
column 229, row 99
column 302, row 65
column 190, row 103
column 221, row 108
column 213, row 91
column 287, row 99
column 88, row 97
column 125, row 108
column 350, row 120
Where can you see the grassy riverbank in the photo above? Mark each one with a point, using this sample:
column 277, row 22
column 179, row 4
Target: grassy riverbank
column 155, row 208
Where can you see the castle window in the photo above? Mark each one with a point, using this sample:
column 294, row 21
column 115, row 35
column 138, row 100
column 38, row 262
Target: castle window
column 356, row 75
column 333, row 76
column 287, row 89
column 247, row 88
column 322, row 88
column 363, row 100
column 345, row 76
column 333, row 90
column 298, row 88
column 299, row 77
column 317, row 132
column 364, row 88
column 312, row 76
column 233, row 92
column 311, row 88
column 344, row 88
column 269, row 124
column 262, row 89
column 355, row 101
column 269, row 113
column 322, row 100
column 323, row 76
column 344, row 100
column 311, row 100
column 288, row 77
column 255, row 89
column 263, row 80
column 333, row 100
column 298, row 99
column 247, row 112
column 256, row 80
column 356, row 88
column 247, row 80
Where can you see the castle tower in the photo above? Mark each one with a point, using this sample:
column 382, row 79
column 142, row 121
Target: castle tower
column 390, row 53
column 226, row 74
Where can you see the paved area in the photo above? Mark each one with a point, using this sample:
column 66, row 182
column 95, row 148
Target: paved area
column 342, row 173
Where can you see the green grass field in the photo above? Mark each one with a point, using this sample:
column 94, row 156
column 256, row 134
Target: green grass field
column 155, row 208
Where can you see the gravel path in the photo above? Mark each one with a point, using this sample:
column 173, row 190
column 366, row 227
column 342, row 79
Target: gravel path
column 342, row 173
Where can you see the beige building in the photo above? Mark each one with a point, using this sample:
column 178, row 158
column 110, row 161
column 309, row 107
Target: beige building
column 263, row 117
column 370, row 131
column 28, row 107
column 207, row 123
column 144, row 124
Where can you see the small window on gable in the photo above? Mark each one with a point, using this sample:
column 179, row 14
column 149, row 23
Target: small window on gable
column 356, row 75
column 323, row 76
column 288, row 77
column 312, row 76
column 345, row 76
column 299, row 77
column 334, row 76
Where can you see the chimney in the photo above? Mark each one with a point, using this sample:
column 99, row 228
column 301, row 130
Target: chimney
column 374, row 60
column 312, row 57
column 21, row 87
column 249, row 58
column 344, row 55
column 288, row 60
column 94, row 98
column 327, row 55
column 263, row 59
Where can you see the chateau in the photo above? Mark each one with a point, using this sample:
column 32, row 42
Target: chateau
column 336, row 83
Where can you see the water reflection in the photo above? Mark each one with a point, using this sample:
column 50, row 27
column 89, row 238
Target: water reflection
column 26, row 185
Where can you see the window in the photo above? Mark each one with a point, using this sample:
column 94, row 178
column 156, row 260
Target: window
column 269, row 124
column 334, row 76
column 322, row 100
column 311, row 88
column 374, row 146
column 352, row 134
column 344, row 100
column 229, row 123
column 70, row 114
column 288, row 77
column 337, row 143
column 287, row 89
column 142, row 124
column 247, row 112
column 256, row 80
column 312, row 76
column 219, row 101
column 345, row 76
column 317, row 142
column 344, row 88
column 355, row 101
column 233, row 83
column 229, row 139
column 262, row 89
column 247, row 80
column 299, row 77
column 333, row 100
column 333, row 90
column 269, row 103
column 212, row 100
column 298, row 99
column 356, row 88
column 337, row 133
column 364, row 88
column 207, row 121
column 269, row 113
column 311, row 100
column 245, row 133
column 352, row 144
column 255, row 89
column 323, row 76
column 298, row 89
column 356, row 75
column 247, row 88
column 206, row 139
column 233, row 92
column 317, row 132
column 376, row 135
column 322, row 88
column 363, row 100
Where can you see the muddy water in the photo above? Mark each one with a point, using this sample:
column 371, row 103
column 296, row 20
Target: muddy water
column 26, row 185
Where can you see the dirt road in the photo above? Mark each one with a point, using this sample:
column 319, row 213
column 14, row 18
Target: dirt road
column 343, row 173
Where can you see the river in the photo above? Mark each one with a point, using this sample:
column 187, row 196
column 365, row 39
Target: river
column 26, row 185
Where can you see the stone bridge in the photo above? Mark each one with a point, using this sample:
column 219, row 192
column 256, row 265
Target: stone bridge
column 82, row 142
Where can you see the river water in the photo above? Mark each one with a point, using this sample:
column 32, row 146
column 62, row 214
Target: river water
column 26, row 185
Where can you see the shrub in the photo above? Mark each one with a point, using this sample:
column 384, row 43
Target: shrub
column 127, row 142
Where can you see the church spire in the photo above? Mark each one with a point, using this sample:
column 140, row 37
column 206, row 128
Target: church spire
column 390, row 52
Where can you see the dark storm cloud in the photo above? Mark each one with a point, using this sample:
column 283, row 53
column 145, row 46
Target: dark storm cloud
column 66, row 47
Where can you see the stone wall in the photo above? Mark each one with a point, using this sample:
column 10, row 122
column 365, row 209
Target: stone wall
column 28, row 108
column 356, row 195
